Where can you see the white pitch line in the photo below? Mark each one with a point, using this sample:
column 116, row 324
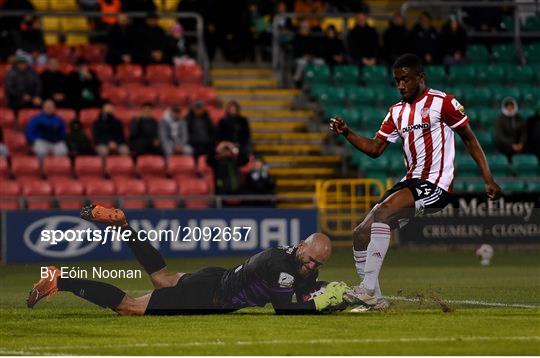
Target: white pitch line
column 462, row 302
column 304, row 341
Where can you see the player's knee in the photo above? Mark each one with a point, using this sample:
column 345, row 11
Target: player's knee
column 382, row 214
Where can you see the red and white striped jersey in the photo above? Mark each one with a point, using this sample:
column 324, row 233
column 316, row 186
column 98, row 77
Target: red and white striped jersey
column 426, row 128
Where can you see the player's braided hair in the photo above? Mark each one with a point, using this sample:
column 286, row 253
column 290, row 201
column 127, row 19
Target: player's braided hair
column 411, row 61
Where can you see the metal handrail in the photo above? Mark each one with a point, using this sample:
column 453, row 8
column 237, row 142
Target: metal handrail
column 202, row 56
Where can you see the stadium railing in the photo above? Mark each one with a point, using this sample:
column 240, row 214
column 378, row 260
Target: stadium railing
column 197, row 35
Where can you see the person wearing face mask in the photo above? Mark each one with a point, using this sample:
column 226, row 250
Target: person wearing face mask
column 84, row 86
column 271, row 276
column 108, row 133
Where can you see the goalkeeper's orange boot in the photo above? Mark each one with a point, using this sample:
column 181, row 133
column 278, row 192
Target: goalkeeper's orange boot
column 103, row 215
column 45, row 287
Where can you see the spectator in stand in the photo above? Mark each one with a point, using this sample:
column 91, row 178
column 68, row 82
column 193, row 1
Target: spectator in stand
column 109, row 7
column 177, row 51
column 200, row 130
column 284, row 23
column 260, row 33
column 23, row 87
column 173, row 133
column 333, row 49
column 533, row 133
column 29, row 39
column 4, row 151
column 77, row 140
column 144, row 136
column 84, row 86
column 46, row 132
column 259, row 182
column 108, row 133
column 453, row 42
column 147, row 6
column 233, row 146
column 54, row 84
column 395, row 39
column 307, row 7
column 510, row 129
column 153, row 41
column 425, row 39
column 121, row 42
column 363, row 42
column 307, row 50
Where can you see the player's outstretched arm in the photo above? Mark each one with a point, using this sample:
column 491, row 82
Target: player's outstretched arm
column 473, row 146
column 373, row 147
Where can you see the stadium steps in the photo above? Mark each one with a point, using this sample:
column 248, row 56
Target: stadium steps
column 281, row 135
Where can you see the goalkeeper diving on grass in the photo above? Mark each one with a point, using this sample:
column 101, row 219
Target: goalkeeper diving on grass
column 272, row 276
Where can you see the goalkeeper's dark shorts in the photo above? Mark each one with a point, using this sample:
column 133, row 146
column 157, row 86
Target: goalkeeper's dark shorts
column 195, row 293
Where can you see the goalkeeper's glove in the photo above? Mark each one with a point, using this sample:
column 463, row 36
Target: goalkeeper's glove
column 333, row 295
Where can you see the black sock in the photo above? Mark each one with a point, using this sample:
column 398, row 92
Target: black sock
column 146, row 254
column 99, row 293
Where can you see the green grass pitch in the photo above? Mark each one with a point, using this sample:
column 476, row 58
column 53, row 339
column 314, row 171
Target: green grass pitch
column 488, row 324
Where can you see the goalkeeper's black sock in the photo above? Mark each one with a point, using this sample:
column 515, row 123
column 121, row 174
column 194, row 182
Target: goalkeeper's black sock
column 99, row 293
column 147, row 255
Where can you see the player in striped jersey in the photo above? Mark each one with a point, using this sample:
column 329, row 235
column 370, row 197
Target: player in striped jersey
column 425, row 119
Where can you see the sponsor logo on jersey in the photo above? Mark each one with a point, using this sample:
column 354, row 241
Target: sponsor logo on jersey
column 285, row 280
column 458, row 106
column 424, row 112
column 415, row 127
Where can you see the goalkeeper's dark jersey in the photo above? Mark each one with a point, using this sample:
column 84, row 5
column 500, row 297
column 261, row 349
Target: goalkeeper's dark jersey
column 270, row 276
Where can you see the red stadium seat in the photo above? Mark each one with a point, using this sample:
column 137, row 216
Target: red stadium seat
column 4, row 69
column 129, row 73
column 117, row 95
column 100, row 191
column 25, row 115
column 9, row 194
column 159, row 74
column 215, row 114
column 16, row 142
column 206, row 94
column 88, row 116
column 69, row 193
column 181, row 165
column 130, row 191
column 103, row 71
column 150, row 166
column 37, row 193
column 188, row 73
column 189, row 187
column 125, row 115
column 66, row 67
column 66, row 114
column 2, row 96
column 89, row 166
column 171, row 95
column 140, row 95
column 61, row 52
column 202, row 166
column 7, row 118
column 4, row 172
column 93, row 53
column 57, row 167
column 162, row 186
column 119, row 166
column 25, row 166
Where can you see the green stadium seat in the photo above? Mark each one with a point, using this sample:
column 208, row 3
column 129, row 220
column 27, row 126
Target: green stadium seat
column 346, row 74
column 498, row 164
column 459, row 186
column 333, row 110
column 357, row 95
column 475, row 186
column 372, row 117
column 479, row 95
column 461, row 74
column 473, row 114
column 333, row 95
column 317, row 74
column 525, row 164
column 526, row 113
column 532, row 52
column 352, row 115
column 466, row 166
column 508, row 23
column 477, row 54
column 500, row 92
column 529, row 94
column 375, row 74
column 488, row 116
column 504, row 53
column 533, row 186
column 387, row 95
column 532, row 24
column 317, row 90
column 519, row 75
column 457, row 92
column 486, row 140
column 435, row 74
column 513, row 186
column 492, row 73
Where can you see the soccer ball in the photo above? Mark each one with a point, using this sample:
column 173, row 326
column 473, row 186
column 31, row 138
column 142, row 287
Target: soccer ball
column 485, row 253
